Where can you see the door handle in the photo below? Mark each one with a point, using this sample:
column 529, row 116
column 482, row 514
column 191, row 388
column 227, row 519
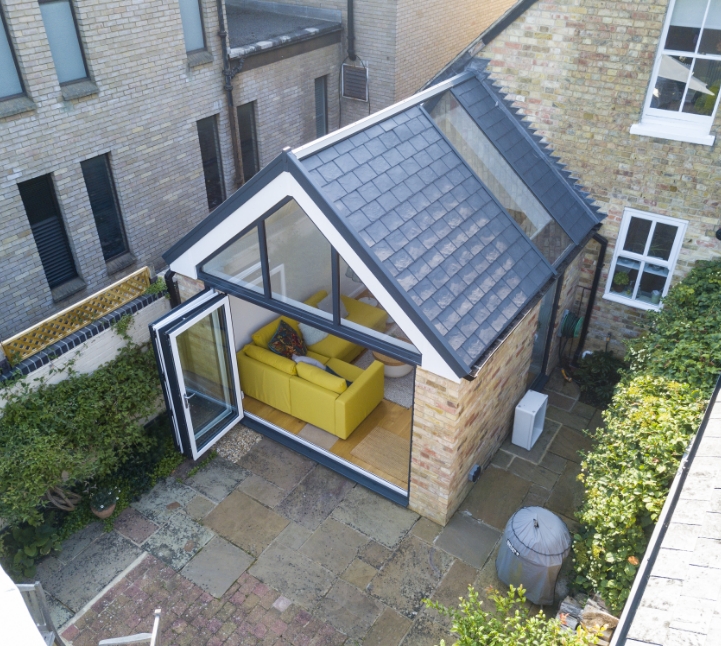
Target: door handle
column 186, row 399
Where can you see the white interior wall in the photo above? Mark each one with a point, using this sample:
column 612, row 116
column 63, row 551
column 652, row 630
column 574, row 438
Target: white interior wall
column 247, row 318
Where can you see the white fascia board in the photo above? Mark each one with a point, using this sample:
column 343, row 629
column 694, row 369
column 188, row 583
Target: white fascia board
column 286, row 185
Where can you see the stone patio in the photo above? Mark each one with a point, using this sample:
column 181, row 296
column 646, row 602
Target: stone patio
column 280, row 550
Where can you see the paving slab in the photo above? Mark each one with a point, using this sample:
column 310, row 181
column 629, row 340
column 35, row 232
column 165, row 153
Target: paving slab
column 553, row 462
column 262, row 490
column 217, row 479
column 83, row 578
column 411, row 575
column 487, row 580
column 426, row 530
column 217, row 566
column 583, row 410
column 469, row 539
column 313, row 500
column 375, row 516
column 567, row 495
column 359, row 573
column 595, row 422
column 425, row 632
column 558, row 384
column 374, row 554
column 568, row 442
column 388, row 630
column 348, row 609
column 176, row 542
column 560, row 401
column 199, row 507
column 453, row 587
column 133, row 525
column 277, row 464
column 245, row 522
column 576, row 422
column 534, row 473
column 502, row 459
column 495, row 497
column 300, row 579
column 80, row 541
column 550, row 428
column 333, row 545
column 536, row 497
column 59, row 613
column 294, row 536
column 164, row 500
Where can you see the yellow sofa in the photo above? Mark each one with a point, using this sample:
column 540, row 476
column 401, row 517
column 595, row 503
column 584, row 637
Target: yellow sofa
column 307, row 392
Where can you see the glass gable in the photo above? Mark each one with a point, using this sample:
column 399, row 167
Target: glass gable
column 239, row 263
column 500, row 178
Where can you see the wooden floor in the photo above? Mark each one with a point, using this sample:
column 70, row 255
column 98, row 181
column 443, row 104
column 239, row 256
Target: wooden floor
column 387, row 415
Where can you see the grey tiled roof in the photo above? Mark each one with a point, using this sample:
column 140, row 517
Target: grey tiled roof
column 521, row 148
column 460, row 258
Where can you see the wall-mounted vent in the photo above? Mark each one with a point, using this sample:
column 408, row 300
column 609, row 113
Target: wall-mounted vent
column 355, row 82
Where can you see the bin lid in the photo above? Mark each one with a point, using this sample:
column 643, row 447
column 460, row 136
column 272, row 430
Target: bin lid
column 539, row 536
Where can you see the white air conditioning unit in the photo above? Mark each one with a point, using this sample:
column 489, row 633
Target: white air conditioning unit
column 529, row 419
column 354, row 82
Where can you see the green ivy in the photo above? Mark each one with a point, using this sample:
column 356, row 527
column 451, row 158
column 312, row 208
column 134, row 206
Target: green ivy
column 655, row 410
column 597, row 375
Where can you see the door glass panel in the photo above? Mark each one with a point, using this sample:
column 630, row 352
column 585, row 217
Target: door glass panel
column 653, row 281
column 637, row 235
column 664, row 236
column 209, row 395
column 239, row 262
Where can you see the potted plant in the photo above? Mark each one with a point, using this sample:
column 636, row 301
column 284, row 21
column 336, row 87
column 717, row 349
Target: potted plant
column 620, row 281
column 102, row 501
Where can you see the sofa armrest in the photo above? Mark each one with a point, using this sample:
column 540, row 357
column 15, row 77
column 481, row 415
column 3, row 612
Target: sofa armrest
column 356, row 403
column 365, row 315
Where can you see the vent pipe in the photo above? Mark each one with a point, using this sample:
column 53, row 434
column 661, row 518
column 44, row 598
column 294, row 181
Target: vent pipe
column 351, row 32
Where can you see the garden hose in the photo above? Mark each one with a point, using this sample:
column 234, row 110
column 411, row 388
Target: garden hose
column 570, row 328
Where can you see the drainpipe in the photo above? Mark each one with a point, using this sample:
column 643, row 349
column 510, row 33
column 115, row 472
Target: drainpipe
column 172, row 288
column 228, row 73
column 592, row 296
column 351, row 31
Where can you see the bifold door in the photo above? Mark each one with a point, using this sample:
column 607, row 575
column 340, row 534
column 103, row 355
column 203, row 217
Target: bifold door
column 195, row 350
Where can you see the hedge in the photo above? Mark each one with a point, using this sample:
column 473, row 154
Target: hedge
column 655, row 410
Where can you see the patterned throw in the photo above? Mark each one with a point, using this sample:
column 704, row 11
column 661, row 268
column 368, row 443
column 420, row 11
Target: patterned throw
column 287, row 342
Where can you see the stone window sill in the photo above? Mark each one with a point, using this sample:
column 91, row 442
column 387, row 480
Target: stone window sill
column 198, row 58
column 632, row 303
column 78, row 89
column 66, row 290
column 16, row 105
column 674, row 132
column 121, row 262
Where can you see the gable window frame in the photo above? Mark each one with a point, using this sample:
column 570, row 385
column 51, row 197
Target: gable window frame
column 644, row 258
column 679, row 125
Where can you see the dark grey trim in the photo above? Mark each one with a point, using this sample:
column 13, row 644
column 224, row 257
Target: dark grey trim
column 322, row 458
column 335, row 284
column 289, row 50
column 67, row 289
column 263, row 250
column 59, row 348
column 78, row 89
column 227, row 208
column 603, row 242
column 124, row 260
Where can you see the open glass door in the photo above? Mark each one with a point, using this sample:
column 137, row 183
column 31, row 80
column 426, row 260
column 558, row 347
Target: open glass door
column 194, row 347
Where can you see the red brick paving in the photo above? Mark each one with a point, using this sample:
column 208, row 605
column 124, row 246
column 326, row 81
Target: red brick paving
column 191, row 617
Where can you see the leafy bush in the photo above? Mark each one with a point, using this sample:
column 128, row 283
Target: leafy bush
column 597, row 375
column 654, row 412
column 79, row 429
column 511, row 624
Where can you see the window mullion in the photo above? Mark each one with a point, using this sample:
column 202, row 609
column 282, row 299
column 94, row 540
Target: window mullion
column 264, row 267
column 335, row 285
column 638, row 280
column 651, row 231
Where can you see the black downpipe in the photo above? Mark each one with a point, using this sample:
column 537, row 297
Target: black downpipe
column 592, row 296
column 351, row 32
column 172, row 288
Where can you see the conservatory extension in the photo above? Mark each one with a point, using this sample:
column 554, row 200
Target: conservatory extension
column 381, row 298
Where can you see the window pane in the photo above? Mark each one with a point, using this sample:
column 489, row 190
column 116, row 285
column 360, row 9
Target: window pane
column 703, row 87
column 625, row 275
column 637, row 235
column 298, row 258
column 321, row 106
column 711, row 38
column 664, row 236
column 673, row 72
column 63, row 39
column 212, row 166
column 239, row 262
column 653, row 282
column 248, row 140
column 46, row 223
column 9, row 78
column 192, row 25
column 500, row 178
column 685, row 25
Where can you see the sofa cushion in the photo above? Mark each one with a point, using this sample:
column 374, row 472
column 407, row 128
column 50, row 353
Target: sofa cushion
column 270, row 358
column 326, row 305
column 287, row 341
column 321, row 378
column 346, row 370
column 311, row 334
column 262, row 336
column 309, row 360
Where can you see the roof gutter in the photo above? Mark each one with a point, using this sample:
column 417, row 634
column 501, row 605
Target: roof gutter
column 664, row 520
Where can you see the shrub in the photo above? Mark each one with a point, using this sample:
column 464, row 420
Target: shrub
column 597, row 375
column 511, row 624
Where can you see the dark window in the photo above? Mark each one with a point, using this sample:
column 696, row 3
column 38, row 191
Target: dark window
column 248, row 140
column 212, row 164
column 321, row 106
column 48, row 229
column 104, row 203
column 62, row 32
column 10, row 83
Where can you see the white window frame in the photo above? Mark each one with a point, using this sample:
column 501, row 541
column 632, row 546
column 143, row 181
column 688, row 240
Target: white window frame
column 680, row 126
column 643, row 258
